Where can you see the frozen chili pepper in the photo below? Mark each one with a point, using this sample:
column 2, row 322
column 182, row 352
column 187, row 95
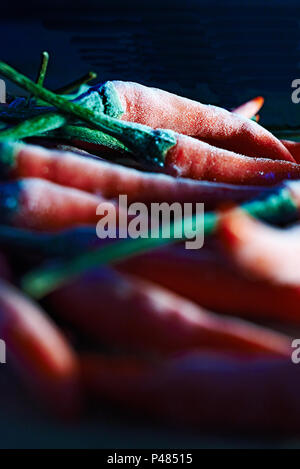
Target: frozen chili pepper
column 294, row 149
column 39, row 352
column 159, row 109
column 42, row 205
column 179, row 154
column 191, row 158
column 279, row 205
column 156, row 108
column 208, row 280
column 195, row 159
column 136, row 315
column 208, row 391
column 250, row 108
column 261, row 250
column 110, row 180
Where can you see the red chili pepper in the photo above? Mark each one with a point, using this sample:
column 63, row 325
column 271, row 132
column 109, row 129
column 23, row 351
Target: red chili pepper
column 160, row 109
column 39, row 352
column 250, row 108
column 203, row 390
column 294, row 149
column 129, row 313
column 206, row 279
column 110, row 180
column 43, row 205
column 261, row 250
column 198, row 160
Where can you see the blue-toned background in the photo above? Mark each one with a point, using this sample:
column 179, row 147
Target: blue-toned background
column 222, row 52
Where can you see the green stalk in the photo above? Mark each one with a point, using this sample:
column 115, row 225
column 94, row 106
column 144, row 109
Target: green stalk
column 74, row 85
column 43, row 68
column 141, row 140
column 42, row 281
column 42, row 72
column 87, row 135
column 35, row 126
column 69, row 242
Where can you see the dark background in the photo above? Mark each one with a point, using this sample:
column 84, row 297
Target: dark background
column 221, row 52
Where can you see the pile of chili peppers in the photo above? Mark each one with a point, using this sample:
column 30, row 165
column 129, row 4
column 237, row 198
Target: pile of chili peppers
column 180, row 335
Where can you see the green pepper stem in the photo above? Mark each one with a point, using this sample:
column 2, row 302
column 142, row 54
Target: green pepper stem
column 74, row 85
column 42, row 281
column 86, row 134
column 35, row 126
column 43, row 68
column 141, row 140
column 42, row 72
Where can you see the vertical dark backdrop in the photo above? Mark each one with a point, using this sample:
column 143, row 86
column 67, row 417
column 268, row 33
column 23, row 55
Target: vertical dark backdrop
column 221, row 52
column 214, row 51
